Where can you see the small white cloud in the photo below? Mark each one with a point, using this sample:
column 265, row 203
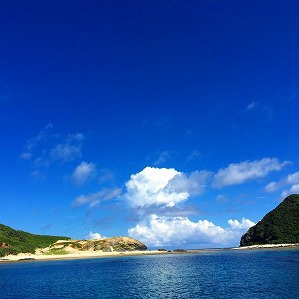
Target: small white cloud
column 105, row 175
column 94, row 236
column 38, row 175
column 292, row 190
column 77, row 137
column 263, row 109
column 195, row 155
column 47, row 147
column 252, row 105
column 163, row 186
column 291, row 182
column 66, row 152
column 222, row 198
column 83, row 172
column 94, row 199
column 180, row 231
column 43, row 136
column 244, row 171
column 26, row 156
column 164, row 157
column 273, row 186
column 293, row 178
column 244, row 224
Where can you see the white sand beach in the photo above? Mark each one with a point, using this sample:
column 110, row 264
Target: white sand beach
column 77, row 255
column 265, row 246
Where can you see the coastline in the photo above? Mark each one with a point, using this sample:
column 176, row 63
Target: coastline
column 24, row 257
column 77, row 255
column 268, row 246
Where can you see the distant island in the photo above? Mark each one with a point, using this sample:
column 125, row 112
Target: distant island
column 280, row 226
column 13, row 242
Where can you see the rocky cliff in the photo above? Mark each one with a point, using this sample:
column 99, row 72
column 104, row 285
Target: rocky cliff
column 279, row 226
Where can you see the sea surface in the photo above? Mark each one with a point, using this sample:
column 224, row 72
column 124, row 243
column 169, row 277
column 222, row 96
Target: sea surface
column 210, row 274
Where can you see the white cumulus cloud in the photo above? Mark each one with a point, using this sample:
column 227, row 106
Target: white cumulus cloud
column 94, row 236
column 177, row 231
column 244, row 224
column 163, row 186
column 83, row 172
column 244, row 171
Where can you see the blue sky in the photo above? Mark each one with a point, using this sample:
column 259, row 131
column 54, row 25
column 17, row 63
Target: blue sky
column 174, row 122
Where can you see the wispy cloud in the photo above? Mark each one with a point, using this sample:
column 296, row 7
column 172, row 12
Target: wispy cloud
column 244, row 171
column 177, row 231
column 164, row 157
column 68, row 150
column 195, row 155
column 260, row 108
column 83, row 172
column 48, row 147
column 43, row 136
column 252, row 106
column 26, row 156
column 94, row 199
column 294, row 189
column 289, row 184
column 139, row 213
column 105, row 175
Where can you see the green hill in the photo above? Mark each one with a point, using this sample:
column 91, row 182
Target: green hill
column 281, row 225
column 15, row 241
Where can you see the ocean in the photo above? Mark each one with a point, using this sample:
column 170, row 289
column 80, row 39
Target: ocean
column 209, row 274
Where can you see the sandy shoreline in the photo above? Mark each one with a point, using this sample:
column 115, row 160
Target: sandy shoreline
column 267, row 246
column 77, row 255
column 85, row 255
column 89, row 254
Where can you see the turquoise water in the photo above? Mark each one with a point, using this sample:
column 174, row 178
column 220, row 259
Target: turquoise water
column 219, row 274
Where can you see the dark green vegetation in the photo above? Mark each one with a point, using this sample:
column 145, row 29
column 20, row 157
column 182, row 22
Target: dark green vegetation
column 15, row 241
column 281, row 225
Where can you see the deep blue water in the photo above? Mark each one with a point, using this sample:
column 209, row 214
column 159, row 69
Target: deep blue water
column 219, row 274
